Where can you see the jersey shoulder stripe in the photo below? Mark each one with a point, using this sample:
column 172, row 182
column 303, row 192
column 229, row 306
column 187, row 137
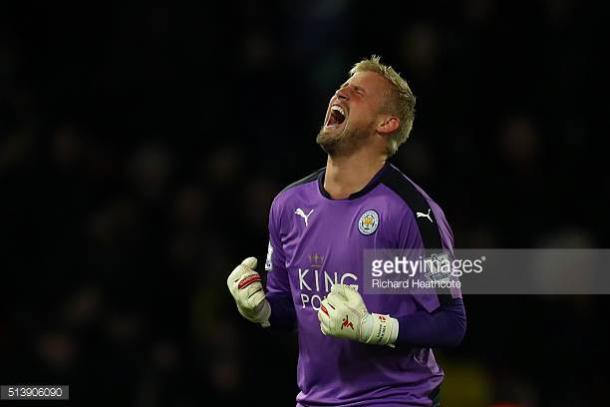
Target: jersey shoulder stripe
column 305, row 180
column 427, row 223
column 394, row 179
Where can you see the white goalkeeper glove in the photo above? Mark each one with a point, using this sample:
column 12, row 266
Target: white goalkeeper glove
column 245, row 286
column 343, row 314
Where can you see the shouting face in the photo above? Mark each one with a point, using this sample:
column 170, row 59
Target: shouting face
column 352, row 114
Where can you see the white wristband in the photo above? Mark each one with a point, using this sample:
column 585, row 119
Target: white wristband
column 380, row 330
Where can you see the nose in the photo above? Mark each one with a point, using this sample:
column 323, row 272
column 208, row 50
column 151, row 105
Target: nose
column 342, row 93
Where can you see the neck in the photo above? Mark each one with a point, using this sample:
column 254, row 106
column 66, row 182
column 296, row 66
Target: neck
column 346, row 175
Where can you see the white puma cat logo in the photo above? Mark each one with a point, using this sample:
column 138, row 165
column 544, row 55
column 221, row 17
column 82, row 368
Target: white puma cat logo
column 424, row 215
column 301, row 213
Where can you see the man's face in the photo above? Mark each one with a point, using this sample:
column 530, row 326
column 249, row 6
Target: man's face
column 352, row 113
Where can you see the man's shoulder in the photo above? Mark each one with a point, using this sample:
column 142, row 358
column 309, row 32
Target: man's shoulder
column 313, row 177
column 413, row 196
column 428, row 214
column 406, row 189
column 301, row 186
column 308, row 179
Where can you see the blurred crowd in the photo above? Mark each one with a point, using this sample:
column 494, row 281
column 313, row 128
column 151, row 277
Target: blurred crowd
column 141, row 146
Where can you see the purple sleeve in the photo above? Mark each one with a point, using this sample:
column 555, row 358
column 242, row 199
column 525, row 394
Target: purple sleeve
column 283, row 316
column 422, row 238
column 445, row 327
column 278, row 292
column 410, row 239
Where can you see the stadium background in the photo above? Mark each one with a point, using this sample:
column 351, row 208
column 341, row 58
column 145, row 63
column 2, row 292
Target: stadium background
column 141, row 146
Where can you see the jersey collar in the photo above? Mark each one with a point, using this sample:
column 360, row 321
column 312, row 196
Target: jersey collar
column 372, row 183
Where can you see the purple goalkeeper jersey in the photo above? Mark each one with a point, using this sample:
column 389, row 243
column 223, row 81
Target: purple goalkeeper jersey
column 316, row 241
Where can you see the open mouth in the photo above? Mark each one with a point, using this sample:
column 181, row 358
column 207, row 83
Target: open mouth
column 337, row 116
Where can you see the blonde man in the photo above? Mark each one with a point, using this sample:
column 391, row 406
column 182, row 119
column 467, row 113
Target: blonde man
column 358, row 346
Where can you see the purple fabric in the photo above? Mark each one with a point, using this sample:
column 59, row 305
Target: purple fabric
column 316, row 242
column 444, row 327
column 283, row 316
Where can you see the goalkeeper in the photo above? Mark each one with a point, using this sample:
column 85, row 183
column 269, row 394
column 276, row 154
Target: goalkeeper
column 355, row 349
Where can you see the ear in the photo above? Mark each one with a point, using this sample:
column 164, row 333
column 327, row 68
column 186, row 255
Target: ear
column 388, row 124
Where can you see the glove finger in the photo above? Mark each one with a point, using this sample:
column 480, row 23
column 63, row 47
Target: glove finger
column 255, row 299
column 248, row 279
column 252, row 284
column 323, row 313
column 334, row 301
column 236, row 274
column 327, row 307
column 324, row 326
column 350, row 294
column 233, row 279
column 247, row 266
column 250, row 263
column 337, row 289
column 353, row 300
column 338, row 292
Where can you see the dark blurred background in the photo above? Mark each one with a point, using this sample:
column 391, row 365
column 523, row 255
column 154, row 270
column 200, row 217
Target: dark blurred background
column 141, row 146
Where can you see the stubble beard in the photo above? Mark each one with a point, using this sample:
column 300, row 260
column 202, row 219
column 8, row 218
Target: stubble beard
column 344, row 143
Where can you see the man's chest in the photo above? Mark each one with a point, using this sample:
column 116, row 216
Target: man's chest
column 325, row 244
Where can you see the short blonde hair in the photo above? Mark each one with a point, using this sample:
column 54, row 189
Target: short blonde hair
column 401, row 99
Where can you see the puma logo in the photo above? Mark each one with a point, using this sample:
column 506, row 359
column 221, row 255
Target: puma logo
column 424, row 215
column 301, row 213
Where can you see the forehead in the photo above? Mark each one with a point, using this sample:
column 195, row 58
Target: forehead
column 372, row 82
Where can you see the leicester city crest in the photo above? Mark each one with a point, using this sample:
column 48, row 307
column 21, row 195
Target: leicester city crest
column 368, row 223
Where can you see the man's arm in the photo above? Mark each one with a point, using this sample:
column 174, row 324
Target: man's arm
column 444, row 327
column 283, row 316
column 274, row 308
column 343, row 314
column 441, row 320
column 279, row 295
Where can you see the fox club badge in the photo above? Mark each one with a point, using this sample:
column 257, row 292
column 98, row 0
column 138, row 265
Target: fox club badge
column 368, row 223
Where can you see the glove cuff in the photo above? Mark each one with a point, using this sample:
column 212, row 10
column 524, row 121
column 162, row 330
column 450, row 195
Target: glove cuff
column 380, row 329
column 260, row 316
column 265, row 314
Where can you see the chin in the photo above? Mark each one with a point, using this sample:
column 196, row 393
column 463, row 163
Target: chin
column 327, row 141
column 340, row 142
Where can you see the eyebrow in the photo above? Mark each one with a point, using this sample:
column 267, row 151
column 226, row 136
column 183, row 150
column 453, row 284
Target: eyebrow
column 359, row 88
column 356, row 87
